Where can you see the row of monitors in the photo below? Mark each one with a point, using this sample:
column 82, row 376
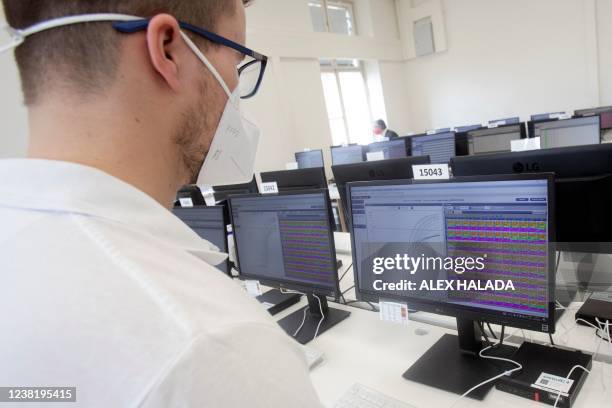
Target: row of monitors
column 469, row 140
column 286, row 240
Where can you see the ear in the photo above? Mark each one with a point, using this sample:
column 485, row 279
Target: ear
column 164, row 41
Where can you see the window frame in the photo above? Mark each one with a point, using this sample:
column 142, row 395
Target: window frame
column 350, row 6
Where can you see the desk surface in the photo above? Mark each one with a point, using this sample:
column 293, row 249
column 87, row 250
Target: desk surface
column 367, row 350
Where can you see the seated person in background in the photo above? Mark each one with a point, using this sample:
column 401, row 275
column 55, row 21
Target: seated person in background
column 380, row 129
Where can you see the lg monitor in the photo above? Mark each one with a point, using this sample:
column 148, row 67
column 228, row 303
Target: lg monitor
column 493, row 140
column 210, row 223
column 300, row 179
column 439, row 147
column 286, row 241
column 604, row 112
column 395, row 169
column 223, row 192
column 582, row 175
column 461, row 139
column 476, row 248
column 309, row 159
column 568, row 132
column 347, row 154
column 391, row 149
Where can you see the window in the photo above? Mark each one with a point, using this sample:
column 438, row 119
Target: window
column 346, row 98
column 330, row 16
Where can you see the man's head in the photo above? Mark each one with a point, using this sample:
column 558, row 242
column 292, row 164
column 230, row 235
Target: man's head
column 379, row 127
column 152, row 75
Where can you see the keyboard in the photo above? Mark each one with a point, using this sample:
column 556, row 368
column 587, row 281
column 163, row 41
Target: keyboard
column 359, row 396
column 313, row 356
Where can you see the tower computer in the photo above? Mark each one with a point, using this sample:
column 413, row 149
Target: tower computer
column 286, row 241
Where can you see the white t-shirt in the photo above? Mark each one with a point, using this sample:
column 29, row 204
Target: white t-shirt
column 105, row 290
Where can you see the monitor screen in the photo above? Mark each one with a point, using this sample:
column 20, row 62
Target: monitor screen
column 439, row 147
column 210, row 224
column 309, row 159
column 501, row 225
column 391, row 149
column 347, row 154
column 493, row 140
column 286, row 240
column 569, row 132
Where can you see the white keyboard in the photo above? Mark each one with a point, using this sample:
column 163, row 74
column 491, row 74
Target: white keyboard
column 313, row 356
column 359, row 396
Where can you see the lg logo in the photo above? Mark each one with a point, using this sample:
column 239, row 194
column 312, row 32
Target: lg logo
column 519, row 167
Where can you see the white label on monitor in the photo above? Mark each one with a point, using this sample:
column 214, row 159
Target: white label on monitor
column 493, row 125
column 522, row 145
column 552, row 382
column 374, row 156
column 209, row 199
column 269, row 188
column 252, row 287
column 186, row 202
column 307, row 149
column 291, row 166
column 393, row 312
column 431, row 172
column 431, row 132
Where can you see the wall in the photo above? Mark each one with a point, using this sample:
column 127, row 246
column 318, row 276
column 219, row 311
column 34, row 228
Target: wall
column 512, row 58
column 13, row 116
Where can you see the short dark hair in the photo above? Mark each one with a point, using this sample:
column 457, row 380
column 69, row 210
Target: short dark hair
column 380, row 123
column 87, row 54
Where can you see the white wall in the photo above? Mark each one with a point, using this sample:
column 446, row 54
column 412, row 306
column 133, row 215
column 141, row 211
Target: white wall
column 512, row 58
column 13, row 116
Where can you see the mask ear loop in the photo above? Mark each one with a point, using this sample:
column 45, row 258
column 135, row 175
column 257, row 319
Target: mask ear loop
column 17, row 38
column 210, row 67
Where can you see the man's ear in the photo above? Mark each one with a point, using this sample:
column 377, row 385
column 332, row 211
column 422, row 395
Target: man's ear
column 164, row 41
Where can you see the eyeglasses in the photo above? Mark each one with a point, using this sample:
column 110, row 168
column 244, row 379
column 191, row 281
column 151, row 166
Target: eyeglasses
column 250, row 73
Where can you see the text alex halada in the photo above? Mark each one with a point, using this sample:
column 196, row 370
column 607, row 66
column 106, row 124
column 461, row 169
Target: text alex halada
column 445, row 285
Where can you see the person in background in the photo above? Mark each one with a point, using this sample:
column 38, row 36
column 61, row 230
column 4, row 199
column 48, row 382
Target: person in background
column 380, row 129
column 101, row 287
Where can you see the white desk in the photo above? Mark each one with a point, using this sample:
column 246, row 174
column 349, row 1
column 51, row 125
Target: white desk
column 366, row 350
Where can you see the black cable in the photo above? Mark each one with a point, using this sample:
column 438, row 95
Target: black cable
column 558, row 259
column 552, row 342
column 482, row 331
column 345, row 272
column 491, row 330
column 342, row 294
column 501, row 336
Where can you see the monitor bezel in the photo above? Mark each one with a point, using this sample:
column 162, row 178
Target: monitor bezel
column 468, row 312
column 226, row 222
column 282, row 283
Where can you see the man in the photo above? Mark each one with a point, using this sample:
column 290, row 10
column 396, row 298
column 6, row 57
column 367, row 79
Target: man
column 101, row 288
column 380, row 129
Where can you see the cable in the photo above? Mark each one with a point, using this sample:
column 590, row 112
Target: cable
column 567, row 378
column 285, row 292
column 491, row 330
column 501, row 336
column 552, row 342
column 322, row 316
column 482, row 331
column 342, row 294
column 345, row 272
column 519, row 367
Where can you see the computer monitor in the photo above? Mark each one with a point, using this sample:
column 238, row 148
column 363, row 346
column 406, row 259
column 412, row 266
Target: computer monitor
column 493, row 140
column 190, row 195
column 568, row 132
column 545, row 116
column 300, row 179
column 477, row 248
column 507, row 121
column 391, row 149
column 461, row 139
column 286, row 241
column 221, row 193
column 347, row 154
column 210, row 223
column 582, row 174
column 394, row 169
column 309, row 159
column 604, row 112
column 439, row 147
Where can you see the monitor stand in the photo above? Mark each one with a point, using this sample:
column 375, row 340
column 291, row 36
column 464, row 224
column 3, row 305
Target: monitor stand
column 453, row 363
column 333, row 316
column 276, row 301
